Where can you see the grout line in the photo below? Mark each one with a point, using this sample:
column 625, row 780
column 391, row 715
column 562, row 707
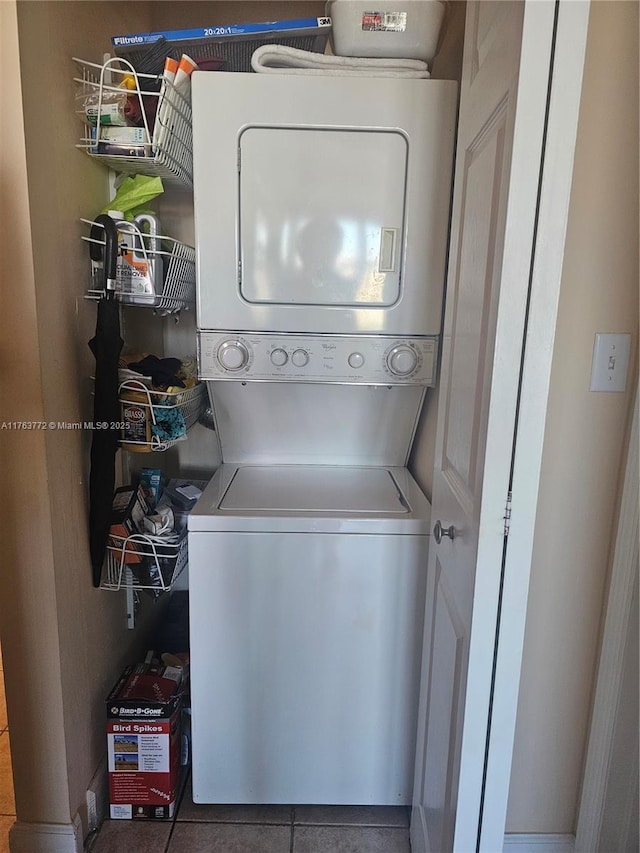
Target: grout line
column 235, row 822
column 169, row 837
column 293, row 823
column 354, row 825
column 184, row 784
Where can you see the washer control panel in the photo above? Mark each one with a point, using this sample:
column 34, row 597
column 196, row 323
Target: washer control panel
column 361, row 359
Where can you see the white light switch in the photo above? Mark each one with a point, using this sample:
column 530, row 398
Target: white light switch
column 610, row 362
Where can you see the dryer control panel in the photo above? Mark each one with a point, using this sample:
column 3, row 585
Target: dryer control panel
column 351, row 359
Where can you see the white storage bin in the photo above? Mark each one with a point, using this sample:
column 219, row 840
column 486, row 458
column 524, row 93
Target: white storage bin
column 396, row 29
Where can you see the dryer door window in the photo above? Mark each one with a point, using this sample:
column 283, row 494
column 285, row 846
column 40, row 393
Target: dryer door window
column 321, row 216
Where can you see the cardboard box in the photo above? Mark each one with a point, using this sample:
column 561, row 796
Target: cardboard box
column 128, row 509
column 144, row 743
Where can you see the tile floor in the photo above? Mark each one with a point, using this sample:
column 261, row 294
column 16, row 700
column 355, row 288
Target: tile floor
column 261, row 829
column 7, row 804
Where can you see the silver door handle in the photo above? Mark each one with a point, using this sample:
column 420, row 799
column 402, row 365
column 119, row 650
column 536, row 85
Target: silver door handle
column 439, row 531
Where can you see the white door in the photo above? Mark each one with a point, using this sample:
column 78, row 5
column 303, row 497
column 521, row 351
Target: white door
column 502, row 124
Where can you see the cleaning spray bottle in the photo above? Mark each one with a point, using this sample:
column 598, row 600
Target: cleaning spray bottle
column 143, row 270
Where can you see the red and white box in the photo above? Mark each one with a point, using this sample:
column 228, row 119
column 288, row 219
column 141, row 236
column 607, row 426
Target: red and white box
column 144, row 743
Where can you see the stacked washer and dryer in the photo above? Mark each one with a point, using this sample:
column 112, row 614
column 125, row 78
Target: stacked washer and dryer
column 321, row 211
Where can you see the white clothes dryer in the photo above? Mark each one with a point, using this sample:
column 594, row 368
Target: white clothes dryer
column 321, row 202
column 306, row 606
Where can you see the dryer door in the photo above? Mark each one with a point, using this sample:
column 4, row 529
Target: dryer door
column 321, row 202
column 321, row 216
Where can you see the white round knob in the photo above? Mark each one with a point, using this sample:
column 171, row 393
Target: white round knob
column 233, row 355
column 300, row 358
column 402, row 360
column 356, row 360
column 279, row 357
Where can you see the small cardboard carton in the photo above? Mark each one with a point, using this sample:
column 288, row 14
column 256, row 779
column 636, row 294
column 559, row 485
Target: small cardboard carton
column 128, row 509
column 144, row 742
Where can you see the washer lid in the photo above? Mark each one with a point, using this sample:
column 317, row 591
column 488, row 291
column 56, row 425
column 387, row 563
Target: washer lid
column 317, row 489
column 311, row 498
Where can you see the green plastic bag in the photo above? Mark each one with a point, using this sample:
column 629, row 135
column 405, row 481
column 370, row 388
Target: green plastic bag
column 134, row 194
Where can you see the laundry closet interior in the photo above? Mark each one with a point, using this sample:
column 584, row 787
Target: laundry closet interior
column 319, row 215
column 321, row 361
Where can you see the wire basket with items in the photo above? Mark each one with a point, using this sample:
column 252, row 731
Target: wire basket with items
column 160, row 400
column 147, row 544
column 136, row 123
column 152, row 270
column 156, row 420
column 144, row 562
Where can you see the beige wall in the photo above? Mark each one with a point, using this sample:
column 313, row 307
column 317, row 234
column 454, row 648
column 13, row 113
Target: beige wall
column 584, row 436
column 199, row 13
column 28, row 622
column 63, row 641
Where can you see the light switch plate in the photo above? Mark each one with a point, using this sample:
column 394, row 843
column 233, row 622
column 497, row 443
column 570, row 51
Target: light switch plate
column 610, row 362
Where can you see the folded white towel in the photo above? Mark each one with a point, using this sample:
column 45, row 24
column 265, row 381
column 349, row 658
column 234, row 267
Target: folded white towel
column 278, row 59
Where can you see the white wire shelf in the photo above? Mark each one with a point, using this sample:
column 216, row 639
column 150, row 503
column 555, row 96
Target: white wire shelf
column 177, row 263
column 159, row 413
column 141, row 562
column 166, row 147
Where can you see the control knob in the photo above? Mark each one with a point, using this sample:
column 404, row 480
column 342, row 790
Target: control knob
column 233, row 355
column 402, row 360
column 300, row 358
column 279, row 357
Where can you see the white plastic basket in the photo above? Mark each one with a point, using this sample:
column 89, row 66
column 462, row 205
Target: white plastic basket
column 178, row 262
column 158, row 562
column 167, row 144
column 400, row 29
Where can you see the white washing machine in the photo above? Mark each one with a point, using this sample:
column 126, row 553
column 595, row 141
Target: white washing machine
column 307, row 603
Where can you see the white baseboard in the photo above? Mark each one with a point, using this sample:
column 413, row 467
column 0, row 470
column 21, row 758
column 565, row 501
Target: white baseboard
column 539, row 843
column 46, row 838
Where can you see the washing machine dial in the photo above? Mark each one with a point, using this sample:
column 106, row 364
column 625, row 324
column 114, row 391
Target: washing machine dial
column 355, row 360
column 402, row 360
column 300, row 358
column 233, row 355
column 279, row 357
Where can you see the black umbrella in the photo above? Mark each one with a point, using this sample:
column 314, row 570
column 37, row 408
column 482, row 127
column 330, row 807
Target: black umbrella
column 106, row 346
